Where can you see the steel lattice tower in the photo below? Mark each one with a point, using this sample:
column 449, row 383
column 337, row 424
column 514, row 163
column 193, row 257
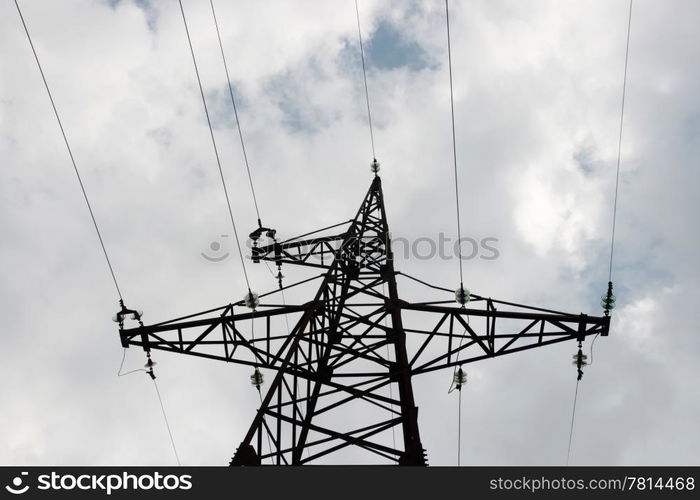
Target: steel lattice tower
column 348, row 345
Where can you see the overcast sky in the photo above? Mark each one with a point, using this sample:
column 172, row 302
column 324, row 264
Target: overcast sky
column 537, row 103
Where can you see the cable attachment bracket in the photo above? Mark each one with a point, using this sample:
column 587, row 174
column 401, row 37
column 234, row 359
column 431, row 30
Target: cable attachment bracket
column 126, row 313
column 256, row 235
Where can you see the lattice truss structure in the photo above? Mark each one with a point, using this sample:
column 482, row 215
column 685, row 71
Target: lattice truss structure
column 343, row 362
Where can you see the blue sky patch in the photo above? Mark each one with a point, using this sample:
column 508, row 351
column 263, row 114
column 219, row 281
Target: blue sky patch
column 585, row 161
column 387, row 49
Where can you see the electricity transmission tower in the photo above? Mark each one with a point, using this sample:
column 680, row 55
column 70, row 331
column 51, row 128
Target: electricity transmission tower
column 344, row 368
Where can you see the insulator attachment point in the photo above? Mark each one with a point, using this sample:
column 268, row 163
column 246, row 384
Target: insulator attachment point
column 149, row 366
column 125, row 313
column 459, row 379
column 374, row 166
column 257, row 379
column 579, row 361
column 279, row 276
column 251, row 300
column 607, row 301
column 462, row 296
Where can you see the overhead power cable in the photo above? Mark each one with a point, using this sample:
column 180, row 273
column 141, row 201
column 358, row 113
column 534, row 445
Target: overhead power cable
column 364, row 76
column 160, row 399
column 235, row 112
column 121, row 366
column 462, row 295
column 609, row 299
column 571, row 430
column 459, row 379
column 619, row 141
column 459, row 430
column 167, row 424
column 454, row 143
column 216, row 150
column 269, row 442
column 70, row 153
column 375, row 168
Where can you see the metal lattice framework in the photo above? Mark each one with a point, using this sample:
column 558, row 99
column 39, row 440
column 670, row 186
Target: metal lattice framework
column 349, row 344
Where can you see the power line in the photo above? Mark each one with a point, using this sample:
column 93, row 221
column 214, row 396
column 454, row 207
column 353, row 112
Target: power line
column 619, row 143
column 286, row 320
column 269, row 443
column 590, row 362
column 571, row 430
column 459, row 430
column 70, row 153
column 167, row 424
column 374, row 157
column 364, row 76
column 454, row 142
column 459, row 378
column 609, row 300
column 121, row 366
column 213, row 141
column 160, row 400
column 235, row 112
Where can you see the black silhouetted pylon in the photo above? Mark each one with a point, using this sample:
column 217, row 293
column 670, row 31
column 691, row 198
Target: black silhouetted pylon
column 348, row 345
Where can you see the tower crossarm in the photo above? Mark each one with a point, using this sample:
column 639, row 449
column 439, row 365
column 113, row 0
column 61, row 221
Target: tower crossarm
column 254, row 338
column 445, row 336
column 313, row 252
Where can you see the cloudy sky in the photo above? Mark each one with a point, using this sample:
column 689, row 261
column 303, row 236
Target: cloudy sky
column 537, row 98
